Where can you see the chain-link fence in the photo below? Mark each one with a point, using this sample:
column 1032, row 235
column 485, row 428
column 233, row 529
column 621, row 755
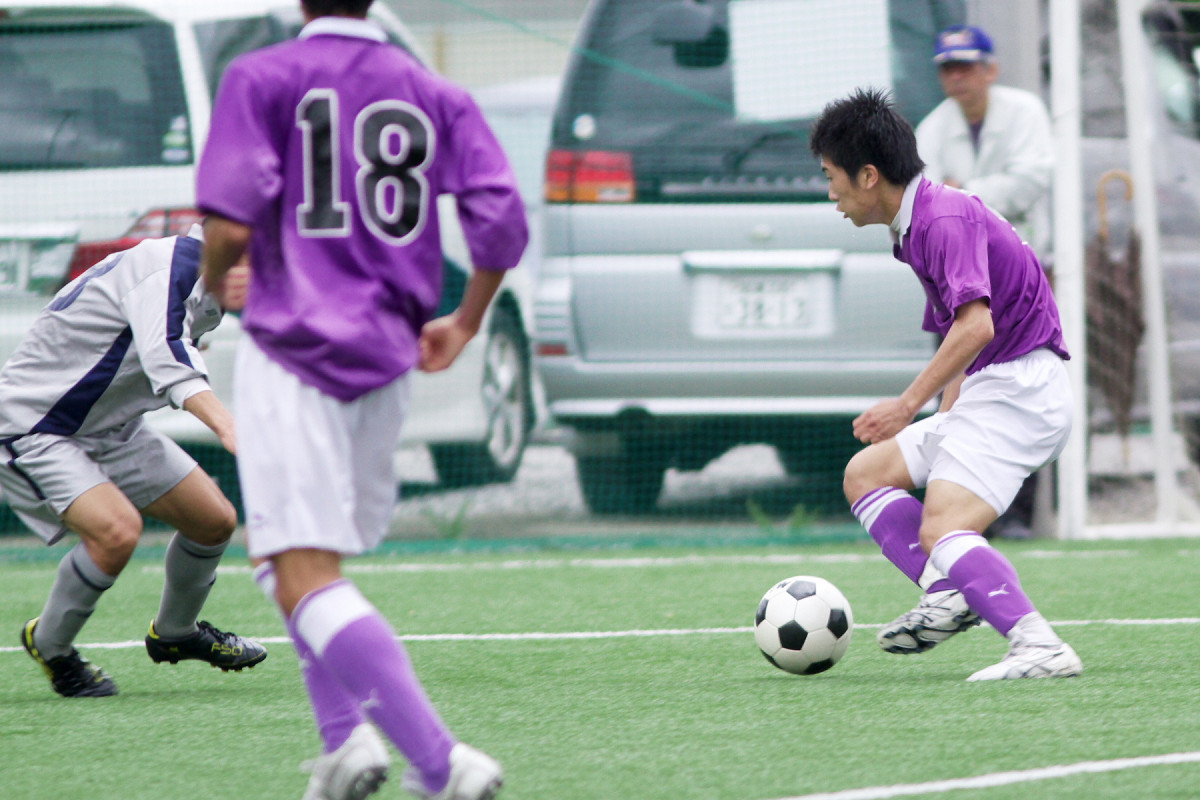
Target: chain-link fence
column 693, row 327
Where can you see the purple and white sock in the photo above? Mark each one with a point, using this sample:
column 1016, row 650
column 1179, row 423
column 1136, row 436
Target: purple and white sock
column 985, row 577
column 353, row 641
column 893, row 518
column 336, row 713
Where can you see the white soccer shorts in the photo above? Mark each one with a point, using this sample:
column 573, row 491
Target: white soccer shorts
column 1009, row 421
column 315, row 472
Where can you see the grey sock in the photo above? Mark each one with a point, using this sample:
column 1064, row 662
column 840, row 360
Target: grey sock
column 191, row 572
column 72, row 600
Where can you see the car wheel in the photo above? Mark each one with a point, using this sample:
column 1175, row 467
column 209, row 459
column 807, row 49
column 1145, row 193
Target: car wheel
column 509, row 404
column 623, row 484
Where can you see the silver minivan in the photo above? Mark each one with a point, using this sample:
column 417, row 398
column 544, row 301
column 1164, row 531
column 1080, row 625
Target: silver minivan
column 697, row 289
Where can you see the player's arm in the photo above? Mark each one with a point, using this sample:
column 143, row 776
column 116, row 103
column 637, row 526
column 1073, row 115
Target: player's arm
column 208, row 408
column 225, row 243
column 157, row 317
column 442, row 339
column 970, row 332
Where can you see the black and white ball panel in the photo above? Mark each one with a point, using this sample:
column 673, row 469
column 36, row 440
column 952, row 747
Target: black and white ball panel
column 803, row 625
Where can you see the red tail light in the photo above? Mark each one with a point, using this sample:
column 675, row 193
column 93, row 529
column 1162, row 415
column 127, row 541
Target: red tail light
column 589, row 176
column 153, row 224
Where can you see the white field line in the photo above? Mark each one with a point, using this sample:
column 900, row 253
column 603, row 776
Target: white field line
column 1003, row 778
column 627, row 634
column 643, row 562
column 584, row 563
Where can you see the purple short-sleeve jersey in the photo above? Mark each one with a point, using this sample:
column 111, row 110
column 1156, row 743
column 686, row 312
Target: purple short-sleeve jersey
column 963, row 251
column 334, row 148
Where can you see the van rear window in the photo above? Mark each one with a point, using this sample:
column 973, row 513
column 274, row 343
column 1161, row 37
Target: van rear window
column 94, row 95
column 641, row 63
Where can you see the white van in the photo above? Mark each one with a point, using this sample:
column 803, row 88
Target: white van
column 104, row 108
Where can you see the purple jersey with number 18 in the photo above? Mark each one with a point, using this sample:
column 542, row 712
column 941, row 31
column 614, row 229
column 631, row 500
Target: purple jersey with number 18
column 334, row 148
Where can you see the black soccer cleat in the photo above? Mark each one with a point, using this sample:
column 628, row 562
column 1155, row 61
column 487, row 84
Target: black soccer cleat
column 71, row 675
column 225, row 651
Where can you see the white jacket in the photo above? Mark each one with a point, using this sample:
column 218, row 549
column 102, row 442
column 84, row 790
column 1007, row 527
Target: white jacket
column 1012, row 173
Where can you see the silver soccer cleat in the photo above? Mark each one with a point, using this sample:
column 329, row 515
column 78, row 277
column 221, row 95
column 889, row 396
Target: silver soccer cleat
column 936, row 618
column 1034, row 652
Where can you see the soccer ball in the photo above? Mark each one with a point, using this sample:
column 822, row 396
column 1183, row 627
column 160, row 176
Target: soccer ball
column 803, row 625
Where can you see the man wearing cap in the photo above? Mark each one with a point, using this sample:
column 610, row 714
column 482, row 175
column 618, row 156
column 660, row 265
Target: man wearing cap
column 994, row 142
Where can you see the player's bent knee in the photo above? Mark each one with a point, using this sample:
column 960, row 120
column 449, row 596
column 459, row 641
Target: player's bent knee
column 859, row 478
column 115, row 538
column 215, row 528
column 228, row 523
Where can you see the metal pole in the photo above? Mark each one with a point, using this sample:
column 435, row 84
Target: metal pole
column 1140, row 124
column 1068, row 254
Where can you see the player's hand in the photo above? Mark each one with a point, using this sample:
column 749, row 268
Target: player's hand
column 882, row 421
column 441, row 341
column 231, row 293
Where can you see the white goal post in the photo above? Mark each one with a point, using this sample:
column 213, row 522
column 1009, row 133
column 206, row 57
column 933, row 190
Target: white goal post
column 1171, row 515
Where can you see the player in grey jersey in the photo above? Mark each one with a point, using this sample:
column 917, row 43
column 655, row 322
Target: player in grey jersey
column 118, row 341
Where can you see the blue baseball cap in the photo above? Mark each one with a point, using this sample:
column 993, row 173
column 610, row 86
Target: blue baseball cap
column 962, row 43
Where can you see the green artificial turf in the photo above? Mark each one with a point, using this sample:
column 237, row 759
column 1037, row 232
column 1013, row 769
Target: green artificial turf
column 686, row 714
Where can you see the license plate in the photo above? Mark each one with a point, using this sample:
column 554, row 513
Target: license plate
column 764, row 306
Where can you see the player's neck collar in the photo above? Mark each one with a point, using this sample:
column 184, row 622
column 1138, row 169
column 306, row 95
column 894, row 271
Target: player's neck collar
column 903, row 219
column 344, row 26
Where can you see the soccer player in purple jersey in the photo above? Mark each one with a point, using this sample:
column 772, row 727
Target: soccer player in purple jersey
column 1005, row 398
column 326, row 158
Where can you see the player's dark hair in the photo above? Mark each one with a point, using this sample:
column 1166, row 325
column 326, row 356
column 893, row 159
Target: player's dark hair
column 865, row 128
column 329, row 8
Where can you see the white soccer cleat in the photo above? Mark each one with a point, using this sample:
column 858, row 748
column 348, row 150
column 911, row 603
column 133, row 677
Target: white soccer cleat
column 352, row 772
column 936, row 618
column 1025, row 660
column 474, row 775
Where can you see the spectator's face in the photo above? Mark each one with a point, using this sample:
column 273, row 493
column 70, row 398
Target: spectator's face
column 967, row 82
